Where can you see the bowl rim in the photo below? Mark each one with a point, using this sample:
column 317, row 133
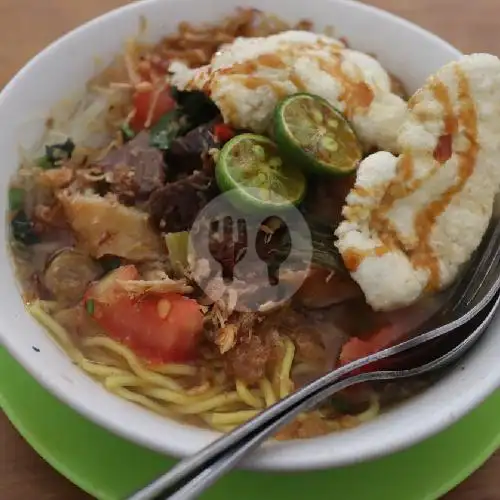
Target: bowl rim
column 275, row 456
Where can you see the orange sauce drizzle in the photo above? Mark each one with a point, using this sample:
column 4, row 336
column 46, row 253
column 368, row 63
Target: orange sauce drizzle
column 422, row 256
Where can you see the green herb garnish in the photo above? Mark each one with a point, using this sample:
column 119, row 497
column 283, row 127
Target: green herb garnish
column 90, row 306
column 166, row 130
column 23, row 229
column 127, row 132
column 44, row 162
column 56, row 153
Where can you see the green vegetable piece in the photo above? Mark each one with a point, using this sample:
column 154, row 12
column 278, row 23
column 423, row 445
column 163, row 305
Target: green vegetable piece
column 16, row 199
column 90, row 306
column 167, row 129
column 178, row 245
column 44, row 162
column 127, row 132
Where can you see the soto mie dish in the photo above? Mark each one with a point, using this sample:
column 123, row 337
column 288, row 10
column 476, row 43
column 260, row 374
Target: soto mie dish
column 398, row 193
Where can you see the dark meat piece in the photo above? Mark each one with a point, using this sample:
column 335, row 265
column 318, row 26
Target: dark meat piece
column 247, row 360
column 136, row 167
column 186, row 153
column 309, row 345
column 23, row 229
column 326, row 197
column 316, row 337
column 174, row 207
column 323, row 288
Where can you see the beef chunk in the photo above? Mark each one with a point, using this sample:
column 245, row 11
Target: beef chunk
column 186, row 153
column 136, row 168
column 174, row 207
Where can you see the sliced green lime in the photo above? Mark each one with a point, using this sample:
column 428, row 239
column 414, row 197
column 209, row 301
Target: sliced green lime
column 312, row 132
column 251, row 166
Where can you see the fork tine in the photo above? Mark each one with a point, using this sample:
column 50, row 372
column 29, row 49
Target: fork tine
column 479, row 271
column 490, row 270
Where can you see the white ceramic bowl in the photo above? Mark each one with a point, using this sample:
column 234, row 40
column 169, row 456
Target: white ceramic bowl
column 405, row 49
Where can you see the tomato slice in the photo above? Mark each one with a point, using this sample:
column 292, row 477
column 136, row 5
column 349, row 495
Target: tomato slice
column 357, row 348
column 142, row 102
column 160, row 328
column 223, row 132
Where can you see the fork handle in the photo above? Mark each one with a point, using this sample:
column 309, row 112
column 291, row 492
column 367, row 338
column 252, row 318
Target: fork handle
column 188, row 469
column 178, row 477
column 189, row 486
column 192, row 487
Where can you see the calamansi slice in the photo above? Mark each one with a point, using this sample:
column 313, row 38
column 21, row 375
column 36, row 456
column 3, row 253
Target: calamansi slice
column 250, row 166
column 317, row 136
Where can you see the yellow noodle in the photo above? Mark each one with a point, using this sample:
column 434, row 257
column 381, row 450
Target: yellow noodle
column 371, row 412
column 225, row 429
column 58, row 332
column 267, row 391
column 210, row 404
column 127, row 380
column 151, row 388
column 199, row 389
column 134, row 363
column 104, row 358
column 235, row 418
column 181, row 399
column 247, row 397
column 101, row 370
column 142, row 400
column 230, row 407
column 220, row 428
column 175, row 369
column 285, row 383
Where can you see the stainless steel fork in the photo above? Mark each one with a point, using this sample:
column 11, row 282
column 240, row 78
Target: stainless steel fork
column 472, row 303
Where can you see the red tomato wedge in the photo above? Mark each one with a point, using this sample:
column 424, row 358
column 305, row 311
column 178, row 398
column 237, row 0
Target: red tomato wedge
column 223, row 132
column 160, row 328
column 143, row 101
column 398, row 326
column 357, row 348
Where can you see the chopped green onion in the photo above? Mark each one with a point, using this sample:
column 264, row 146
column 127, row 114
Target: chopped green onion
column 167, row 129
column 127, row 132
column 44, row 162
column 89, row 307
